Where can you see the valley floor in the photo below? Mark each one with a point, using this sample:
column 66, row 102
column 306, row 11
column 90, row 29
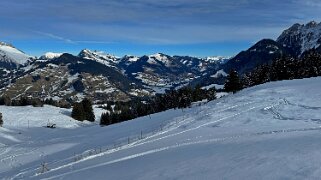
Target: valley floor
column 271, row 131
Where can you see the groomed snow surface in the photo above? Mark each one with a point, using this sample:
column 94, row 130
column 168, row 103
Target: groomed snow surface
column 271, row 131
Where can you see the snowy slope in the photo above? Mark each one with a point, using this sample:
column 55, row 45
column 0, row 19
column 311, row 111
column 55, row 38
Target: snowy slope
column 270, row 131
column 10, row 54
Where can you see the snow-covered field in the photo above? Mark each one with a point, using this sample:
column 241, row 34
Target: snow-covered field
column 271, row 131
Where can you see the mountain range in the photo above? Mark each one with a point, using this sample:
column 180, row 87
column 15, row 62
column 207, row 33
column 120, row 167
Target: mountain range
column 103, row 76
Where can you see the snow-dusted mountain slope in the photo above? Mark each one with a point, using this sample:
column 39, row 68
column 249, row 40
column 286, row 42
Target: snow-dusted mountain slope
column 72, row 77
column 12, row 57
column 102, row 76
column 157, row 71
column 161, row 71
column 271, row 131
column 99, row 56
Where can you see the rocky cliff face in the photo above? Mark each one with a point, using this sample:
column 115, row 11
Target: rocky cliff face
column 301, row 37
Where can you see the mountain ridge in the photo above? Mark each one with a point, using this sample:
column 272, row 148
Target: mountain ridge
column 145, row 75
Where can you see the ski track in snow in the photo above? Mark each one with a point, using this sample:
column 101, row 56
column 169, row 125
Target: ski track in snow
column 178, row 145
column 186, row 121
column 143, row 142
column 146, row 140
column 149, row 139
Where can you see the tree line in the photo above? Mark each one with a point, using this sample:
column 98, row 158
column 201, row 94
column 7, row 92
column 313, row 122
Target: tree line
column 283, row 68
column 173, row 99
column 35, row 102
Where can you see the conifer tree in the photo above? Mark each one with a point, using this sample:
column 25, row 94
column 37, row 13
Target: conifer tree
column 211, row 94
column 88, row 110
column 5, row 100
column 78, row 112
column 105, row 119
column 1, row 120
column 232, row 83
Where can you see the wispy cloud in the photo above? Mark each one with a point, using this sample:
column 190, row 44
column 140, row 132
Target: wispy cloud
column 53, row 36
column 163, row 21
column 66, row 40
column 95, row 42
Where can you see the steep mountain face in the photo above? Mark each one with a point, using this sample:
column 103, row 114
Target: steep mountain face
column 262, row 52
column 10, row 57
column 300, row 38
column 292, row 42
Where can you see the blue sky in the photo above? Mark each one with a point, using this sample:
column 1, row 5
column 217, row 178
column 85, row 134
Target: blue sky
column 137, row 27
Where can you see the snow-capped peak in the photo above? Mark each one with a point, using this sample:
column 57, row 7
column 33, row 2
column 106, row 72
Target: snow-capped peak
column 131, row 58
column 10, row 54
column 99, row 56
column 50, row 55
column 89, row 54
column 159, row 56
column 163, row 58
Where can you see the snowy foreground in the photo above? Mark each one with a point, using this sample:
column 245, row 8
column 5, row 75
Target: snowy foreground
column 271, row 131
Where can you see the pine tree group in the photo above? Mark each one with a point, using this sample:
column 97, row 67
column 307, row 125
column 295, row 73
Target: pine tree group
column 83, row 111
column 285, row 68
